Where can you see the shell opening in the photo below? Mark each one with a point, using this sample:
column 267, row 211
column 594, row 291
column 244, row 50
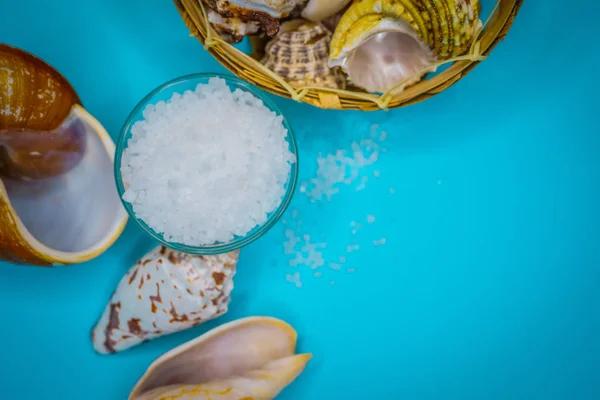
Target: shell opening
column 386, row 59
column 78, row 209
column 231, row 352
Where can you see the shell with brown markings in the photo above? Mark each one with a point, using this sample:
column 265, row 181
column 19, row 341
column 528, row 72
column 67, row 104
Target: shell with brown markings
column 299, row 54
column 165, row 292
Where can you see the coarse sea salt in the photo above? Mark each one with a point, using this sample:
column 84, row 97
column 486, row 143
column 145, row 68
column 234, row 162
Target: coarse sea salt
column 207, row 165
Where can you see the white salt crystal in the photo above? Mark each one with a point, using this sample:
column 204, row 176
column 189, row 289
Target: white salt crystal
column 370, row 219
column 335, row 266
column 379, row 242
column 129, row 196
column 351, row 270
column 318, row 274
column 207, row 165
column 294, row 278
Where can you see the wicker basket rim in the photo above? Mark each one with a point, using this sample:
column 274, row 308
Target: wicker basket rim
column 246, row 67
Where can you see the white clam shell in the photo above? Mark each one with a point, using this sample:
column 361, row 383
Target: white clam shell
column 165, row 292
column 318, row 10
column 250, row 358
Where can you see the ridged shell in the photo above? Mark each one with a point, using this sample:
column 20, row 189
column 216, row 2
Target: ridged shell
column 382, row 43
column 447, row 26
column 299, row 53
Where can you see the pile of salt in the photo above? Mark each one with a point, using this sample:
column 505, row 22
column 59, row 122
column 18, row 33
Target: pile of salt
column 206, row 166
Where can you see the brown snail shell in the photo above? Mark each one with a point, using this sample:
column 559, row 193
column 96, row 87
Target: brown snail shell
column 34, row 101
column 58, row 201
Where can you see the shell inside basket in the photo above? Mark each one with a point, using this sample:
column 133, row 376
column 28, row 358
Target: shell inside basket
column 450, row 28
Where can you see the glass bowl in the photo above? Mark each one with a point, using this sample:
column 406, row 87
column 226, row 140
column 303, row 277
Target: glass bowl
column 164, row 93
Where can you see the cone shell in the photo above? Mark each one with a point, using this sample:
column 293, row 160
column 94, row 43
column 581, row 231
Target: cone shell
column 165, row 292
column 251, row 358
column 299, row 54
column 58, row 201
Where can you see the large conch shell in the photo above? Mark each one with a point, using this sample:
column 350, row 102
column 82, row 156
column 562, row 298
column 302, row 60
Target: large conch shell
column 241, row 15
column 166, row 291
column 251, row 358
column 299, row 54
column 380, row 43
column 58, row 200
column 318, row 10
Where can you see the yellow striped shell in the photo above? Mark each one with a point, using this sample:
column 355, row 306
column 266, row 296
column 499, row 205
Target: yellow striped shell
column 382, row 42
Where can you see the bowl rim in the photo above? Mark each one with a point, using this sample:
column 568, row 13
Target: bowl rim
column 237, row 243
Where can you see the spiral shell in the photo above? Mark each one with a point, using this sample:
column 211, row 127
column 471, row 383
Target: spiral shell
column 58, row 201
column 416, row 32
column 243, row 16
column 299, row 54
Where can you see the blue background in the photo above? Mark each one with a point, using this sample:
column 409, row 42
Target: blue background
column 487, row 287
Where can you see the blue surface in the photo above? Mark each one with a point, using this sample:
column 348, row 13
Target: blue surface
column 487, row 287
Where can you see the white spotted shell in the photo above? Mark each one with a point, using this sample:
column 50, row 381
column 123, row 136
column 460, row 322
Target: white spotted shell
column 165, row 292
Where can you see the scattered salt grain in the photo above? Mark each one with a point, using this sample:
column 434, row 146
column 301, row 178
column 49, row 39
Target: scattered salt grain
column 370, row 219
column 351, row 270
column 335, row 266
column 206, row 165
column 379, row 242
column 318, row 274
column 376, row 174
column 294, row 278
column 343, row 167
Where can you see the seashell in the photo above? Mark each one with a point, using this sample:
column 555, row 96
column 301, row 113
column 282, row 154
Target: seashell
column 251, row 358
column 58, row 201
column 318, row 10
column 265, row 12
column 165, row 292
column 380, row 43
column 299, row 54
column 232, row 30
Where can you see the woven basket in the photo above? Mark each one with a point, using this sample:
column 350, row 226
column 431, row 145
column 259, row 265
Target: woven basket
column 247, row 66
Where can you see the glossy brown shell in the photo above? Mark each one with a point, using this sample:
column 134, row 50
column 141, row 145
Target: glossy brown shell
column 34, row 100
